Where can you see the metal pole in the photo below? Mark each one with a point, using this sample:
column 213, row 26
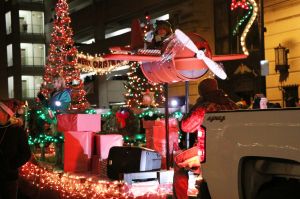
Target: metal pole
column 283, row 94
column 167, row 126
column 187, row 110
column 262, row 43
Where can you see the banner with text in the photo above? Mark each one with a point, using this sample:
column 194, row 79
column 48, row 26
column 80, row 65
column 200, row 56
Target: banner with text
column 97, row 64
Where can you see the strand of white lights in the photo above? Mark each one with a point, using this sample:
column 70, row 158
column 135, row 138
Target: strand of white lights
column 68, row 186
column 248, row 26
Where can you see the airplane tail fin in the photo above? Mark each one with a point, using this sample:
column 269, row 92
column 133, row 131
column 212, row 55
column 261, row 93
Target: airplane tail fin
column 137, row 40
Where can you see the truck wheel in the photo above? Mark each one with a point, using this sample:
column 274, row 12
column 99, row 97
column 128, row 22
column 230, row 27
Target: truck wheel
column 286, row 190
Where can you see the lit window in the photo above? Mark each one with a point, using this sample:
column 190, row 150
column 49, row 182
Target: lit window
column 31, row 22
column 89, row 41
column 10, row 82
column 31, row 86
column 9, row 52
column 8, row 22
column 117, row 33
column 163, row 18
column 32, row 54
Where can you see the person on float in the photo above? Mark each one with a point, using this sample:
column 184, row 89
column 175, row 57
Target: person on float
column 60, row 97
column 163, row 31
column 212, row 99
column 157, row 37
column 60, row 100
column 14, row 147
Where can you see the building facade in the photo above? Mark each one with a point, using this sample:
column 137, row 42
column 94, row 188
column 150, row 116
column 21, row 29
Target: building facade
column 23, row 49
column 282, row 27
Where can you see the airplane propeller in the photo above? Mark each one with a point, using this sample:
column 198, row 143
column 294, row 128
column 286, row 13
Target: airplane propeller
column 212, row 65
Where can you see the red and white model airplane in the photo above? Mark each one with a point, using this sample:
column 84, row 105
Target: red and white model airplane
column 183, row 58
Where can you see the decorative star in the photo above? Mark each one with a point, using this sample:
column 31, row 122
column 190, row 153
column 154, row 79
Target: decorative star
column 239, row 3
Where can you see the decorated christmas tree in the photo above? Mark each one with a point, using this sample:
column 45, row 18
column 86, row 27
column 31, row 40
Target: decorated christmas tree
column 62, row 59
column 140, row 93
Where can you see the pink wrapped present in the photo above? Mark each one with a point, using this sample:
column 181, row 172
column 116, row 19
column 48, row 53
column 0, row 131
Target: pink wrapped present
column 79, row 122
column 105, row 142
column 78, row 151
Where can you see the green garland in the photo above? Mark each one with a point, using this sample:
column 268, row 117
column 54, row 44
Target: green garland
column 148, row 114
column 45, row 139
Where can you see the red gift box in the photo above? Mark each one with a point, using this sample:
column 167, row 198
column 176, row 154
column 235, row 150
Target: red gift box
column 105, row 142
column 78, row 151
column 156, row 136
column 79, row 122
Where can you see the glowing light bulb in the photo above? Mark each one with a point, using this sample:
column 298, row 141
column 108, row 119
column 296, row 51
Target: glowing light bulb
column 174, row 103
column 57, row 103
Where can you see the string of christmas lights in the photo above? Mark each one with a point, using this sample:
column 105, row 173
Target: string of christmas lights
column 243, row 19
column 80, row 187
column 44, row 139
column 239, row 3
column 149, row 112
column 148, row 26
column 248, row 26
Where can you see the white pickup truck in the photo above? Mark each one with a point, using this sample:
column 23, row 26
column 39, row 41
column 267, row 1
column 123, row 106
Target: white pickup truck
column 252, row 154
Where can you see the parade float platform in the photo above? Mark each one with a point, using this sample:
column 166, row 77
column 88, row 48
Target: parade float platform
column 86, row 155
column 38, row 182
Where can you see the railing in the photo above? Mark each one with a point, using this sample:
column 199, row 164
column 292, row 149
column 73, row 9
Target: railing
column 33, row 61
column 31, row 29
column 30, row 93
column 26, row 93
column 31, row 1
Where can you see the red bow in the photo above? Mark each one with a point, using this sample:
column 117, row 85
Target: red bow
column 121, row 117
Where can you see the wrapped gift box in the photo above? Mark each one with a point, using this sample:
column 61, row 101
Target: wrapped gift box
column 161, row 122
column 79, row 122
column 99, row 167
column 78, row 151
column 156, row 136
column 105, row 142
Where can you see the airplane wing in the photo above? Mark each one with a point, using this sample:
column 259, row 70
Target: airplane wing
column 228, row 57
column 126, row 57
column 180, row 62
